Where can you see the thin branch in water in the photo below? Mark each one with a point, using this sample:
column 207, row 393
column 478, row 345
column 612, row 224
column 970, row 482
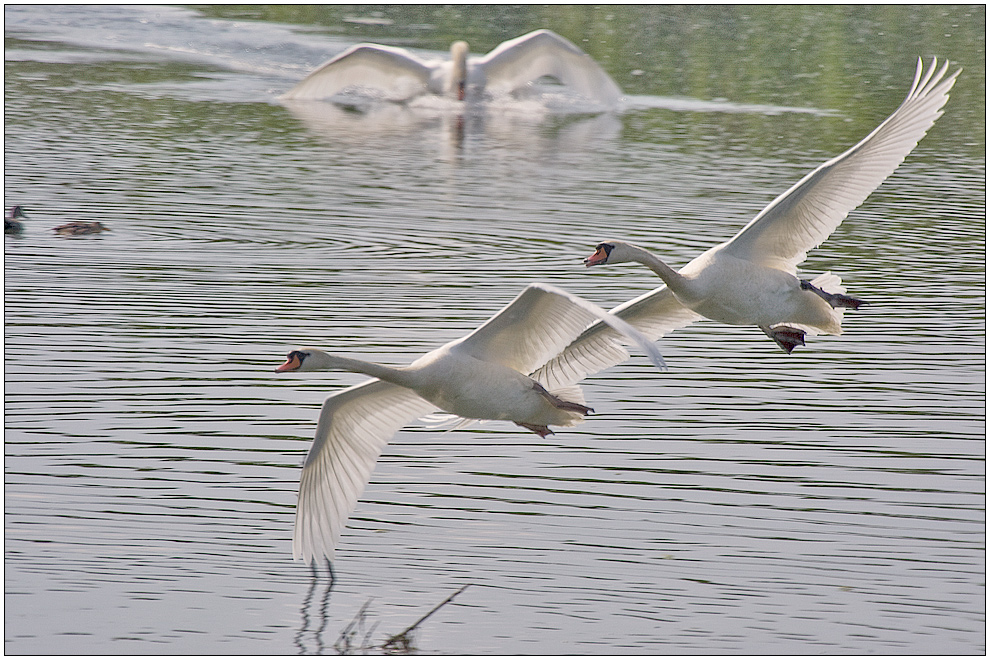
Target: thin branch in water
column 403, row 642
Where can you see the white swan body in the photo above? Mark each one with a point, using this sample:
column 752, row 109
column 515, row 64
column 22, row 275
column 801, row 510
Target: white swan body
column 751, row 279
column 484, row 375
column 460, row 384
column 722, row 287
column 510, row 67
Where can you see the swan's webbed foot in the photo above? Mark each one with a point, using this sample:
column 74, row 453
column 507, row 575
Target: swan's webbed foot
column 557, row 402
column 833, row 299
column 786, row 337
column 842, row 300
column 542, row 431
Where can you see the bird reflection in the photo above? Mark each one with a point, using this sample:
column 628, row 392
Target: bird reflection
column 321, row 613
column 518, row 126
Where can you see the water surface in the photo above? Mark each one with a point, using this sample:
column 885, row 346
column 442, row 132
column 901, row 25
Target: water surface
column 745, row 501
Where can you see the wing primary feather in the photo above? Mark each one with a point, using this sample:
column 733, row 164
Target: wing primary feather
column 354, row 426
column 800, row 219
column 615, row 322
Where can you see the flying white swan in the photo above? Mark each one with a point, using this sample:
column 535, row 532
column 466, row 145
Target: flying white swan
column 511, row 66
column 480, row 376
column 751, row 279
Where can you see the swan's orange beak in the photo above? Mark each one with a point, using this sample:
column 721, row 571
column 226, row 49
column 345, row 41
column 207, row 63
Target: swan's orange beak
column 291, row 364
column 598, row 257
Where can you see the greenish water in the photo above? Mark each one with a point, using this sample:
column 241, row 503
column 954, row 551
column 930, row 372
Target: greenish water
column 744, row 502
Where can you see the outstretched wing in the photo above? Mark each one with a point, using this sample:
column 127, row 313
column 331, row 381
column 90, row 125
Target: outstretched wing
column 804, row 216
column 393, row 70
column 538, row 324
column 522, row 60
column 600, row 346
column 354, row 427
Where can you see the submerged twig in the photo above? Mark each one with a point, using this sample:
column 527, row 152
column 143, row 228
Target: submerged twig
column 403, row 642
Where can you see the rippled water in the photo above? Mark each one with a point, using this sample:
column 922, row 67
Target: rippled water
column 745, row 501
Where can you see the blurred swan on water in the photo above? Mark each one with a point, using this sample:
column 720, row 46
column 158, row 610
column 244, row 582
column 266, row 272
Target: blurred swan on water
column 751, row 279
column 510, row 67
column 483, row 376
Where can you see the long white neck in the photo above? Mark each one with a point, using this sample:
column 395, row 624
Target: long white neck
column 318, row 360
column 670, row 277
column 457, row 85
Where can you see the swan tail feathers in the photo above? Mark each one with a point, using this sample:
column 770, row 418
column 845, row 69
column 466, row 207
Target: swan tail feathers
column 829, row 288
column 572, row 394
column 834, row 293
column 829, row 282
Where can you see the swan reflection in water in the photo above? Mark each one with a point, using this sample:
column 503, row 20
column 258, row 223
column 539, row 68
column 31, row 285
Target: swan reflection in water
column 513, row 69
column 321, row 612
column 516, row 126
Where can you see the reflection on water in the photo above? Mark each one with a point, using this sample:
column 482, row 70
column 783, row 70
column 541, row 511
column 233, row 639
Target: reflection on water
column 309, row 639
column 382, row 125
column 746, row 501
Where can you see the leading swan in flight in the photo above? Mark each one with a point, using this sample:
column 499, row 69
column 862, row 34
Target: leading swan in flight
column 751, row 279
column 484, row 375
column 510, row 67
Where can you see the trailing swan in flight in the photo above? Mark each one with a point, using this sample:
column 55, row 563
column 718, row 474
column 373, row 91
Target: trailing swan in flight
column 751, row 279
column 481, row 376
column 511, row 66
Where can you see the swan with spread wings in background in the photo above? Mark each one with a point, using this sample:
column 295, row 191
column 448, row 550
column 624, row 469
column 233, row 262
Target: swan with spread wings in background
column 511, row 67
